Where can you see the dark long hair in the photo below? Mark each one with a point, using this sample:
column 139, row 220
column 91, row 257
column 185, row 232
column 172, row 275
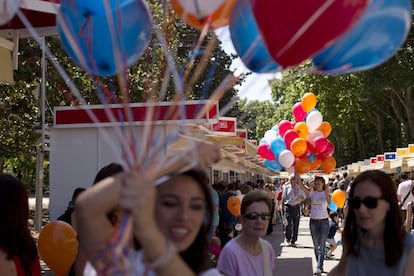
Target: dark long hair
column 197, row 255
column 394, row 232
column 15, row 237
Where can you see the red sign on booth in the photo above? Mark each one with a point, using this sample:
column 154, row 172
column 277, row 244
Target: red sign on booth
column 253, row 141
column 380, row 158
column 373, row 160
column 242, row 133
column 225, row 126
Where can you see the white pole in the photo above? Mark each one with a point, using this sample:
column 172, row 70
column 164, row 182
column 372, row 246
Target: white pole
column 40, row 151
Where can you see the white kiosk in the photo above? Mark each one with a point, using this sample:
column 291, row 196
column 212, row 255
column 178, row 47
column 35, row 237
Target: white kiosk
column 85, row 139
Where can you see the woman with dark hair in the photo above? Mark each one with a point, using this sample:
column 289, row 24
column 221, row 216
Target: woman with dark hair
column 18, row 252
column 374, row 240
column 248, row 254
column 319, row 224
column 168, row 222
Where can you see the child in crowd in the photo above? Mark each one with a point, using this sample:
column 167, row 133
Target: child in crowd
column 215, row 247
column 333, row 228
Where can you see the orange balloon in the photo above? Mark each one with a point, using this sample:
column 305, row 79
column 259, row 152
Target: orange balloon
column 298, row 146
column 219, row 18
column 308, row 101
column 58, row 246
column 233, row 205
column 316, row 164
column 302, row 129
column 325, row 128
column 329, row 164
column 302, row 165
column 339, row 198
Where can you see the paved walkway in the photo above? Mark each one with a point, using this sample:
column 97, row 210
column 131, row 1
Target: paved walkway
column 299, row 260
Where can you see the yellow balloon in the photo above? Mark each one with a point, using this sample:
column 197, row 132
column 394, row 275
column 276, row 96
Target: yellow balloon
column 302, row 129
column 302, row 166
column 339, row 198
column 329, row 164
column 308, row 102
column 58, row 246
column 325, row 128
column 298, row 146
column 233, row 205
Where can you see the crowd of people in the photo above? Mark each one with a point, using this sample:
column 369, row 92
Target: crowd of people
column 185, row 226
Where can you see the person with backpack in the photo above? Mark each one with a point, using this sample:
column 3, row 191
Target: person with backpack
column 404, row 195
column 409, row 221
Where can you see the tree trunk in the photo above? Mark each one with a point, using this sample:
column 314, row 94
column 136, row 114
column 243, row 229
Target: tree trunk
column 1, row 165
column 360, row 140
column 396, row 108
column 379, row 126
column 408, row 107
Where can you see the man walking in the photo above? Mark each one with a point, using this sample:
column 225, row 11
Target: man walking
column 404, row 194
column 292, row 196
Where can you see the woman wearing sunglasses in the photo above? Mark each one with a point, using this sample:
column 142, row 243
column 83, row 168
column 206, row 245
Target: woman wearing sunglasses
column 248, row 254
column 374, row 240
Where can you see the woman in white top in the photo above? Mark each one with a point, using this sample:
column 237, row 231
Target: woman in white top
column 168, row 223
column 319, row 223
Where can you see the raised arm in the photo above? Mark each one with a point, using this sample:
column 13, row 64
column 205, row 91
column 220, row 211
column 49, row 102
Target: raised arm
column 94, row 228
column 304, row 188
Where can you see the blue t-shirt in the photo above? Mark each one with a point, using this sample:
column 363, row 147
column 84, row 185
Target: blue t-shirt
column 225, row 214
column 333, row 227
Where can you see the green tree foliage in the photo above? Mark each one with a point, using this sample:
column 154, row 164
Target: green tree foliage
column 257, row 117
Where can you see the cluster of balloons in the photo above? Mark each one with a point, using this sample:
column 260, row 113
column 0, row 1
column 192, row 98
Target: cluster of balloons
column 301, row 145
column 58, row 246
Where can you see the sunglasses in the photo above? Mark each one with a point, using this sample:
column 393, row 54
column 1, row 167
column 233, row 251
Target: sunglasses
column 255, row 216
column 369, row 202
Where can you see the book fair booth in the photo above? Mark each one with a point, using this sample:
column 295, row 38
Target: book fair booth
column 83, row 140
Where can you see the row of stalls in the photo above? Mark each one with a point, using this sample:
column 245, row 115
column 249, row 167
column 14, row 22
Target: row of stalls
column 393, row 163
column 83, row 139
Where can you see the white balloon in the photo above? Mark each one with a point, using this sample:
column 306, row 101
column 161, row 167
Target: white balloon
column 286, row 158
column 200, row 8
column 314, row 120
column 8, row 9
column 270, row 135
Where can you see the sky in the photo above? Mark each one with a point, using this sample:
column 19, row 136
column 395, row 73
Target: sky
column 256, row 86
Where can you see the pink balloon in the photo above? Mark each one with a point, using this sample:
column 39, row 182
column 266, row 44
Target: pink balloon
column 312, row 135
column 320, row 144
column 289, row 136
column 284, row 125
column 265, row 152
column 298, row 112
column 329, row 151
